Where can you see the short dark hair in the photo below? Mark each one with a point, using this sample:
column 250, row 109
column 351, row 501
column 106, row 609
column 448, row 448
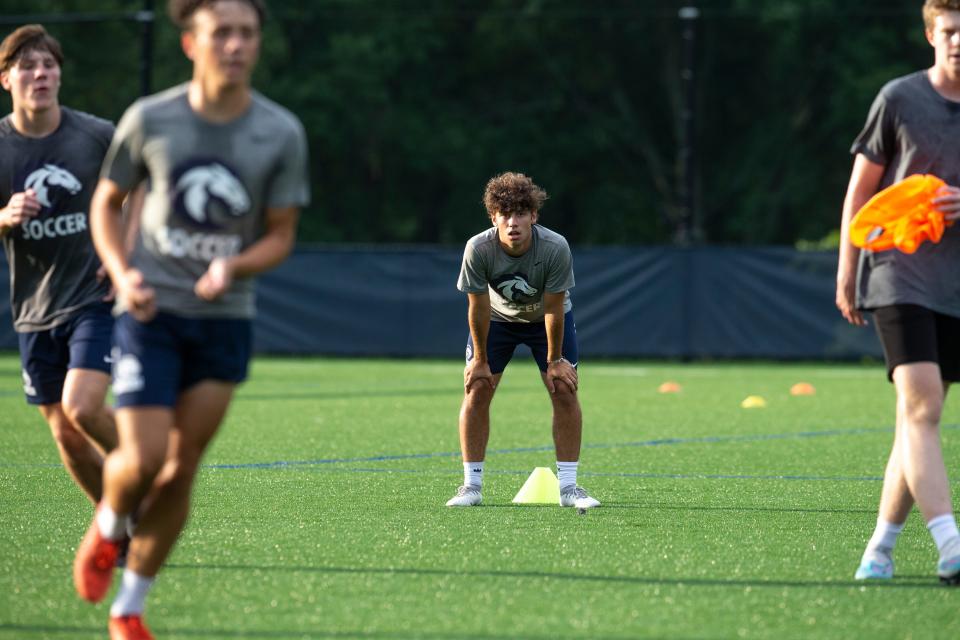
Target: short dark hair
column 181, row 11
column 30, row 37
column 933, row 8
column 512, row 193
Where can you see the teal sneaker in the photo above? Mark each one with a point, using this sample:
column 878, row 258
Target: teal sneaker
column 875, row 565
column 949, row 566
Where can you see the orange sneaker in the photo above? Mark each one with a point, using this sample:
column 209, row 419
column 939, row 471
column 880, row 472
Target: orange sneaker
column 93, row 566
column 129, row 628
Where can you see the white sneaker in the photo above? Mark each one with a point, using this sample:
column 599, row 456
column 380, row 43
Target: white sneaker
column 575, row 496
column 875, row 565
column 467, row 496
column 949, row 566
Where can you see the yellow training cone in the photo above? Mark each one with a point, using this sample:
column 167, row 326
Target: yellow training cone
column 542, row 487
column 753, row 402
column 670, row 387
column 802, row 389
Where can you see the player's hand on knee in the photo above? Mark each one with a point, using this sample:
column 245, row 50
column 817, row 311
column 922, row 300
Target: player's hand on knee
column 948, row 201
column 562, row 372
column 477, row 373
column 215, row 282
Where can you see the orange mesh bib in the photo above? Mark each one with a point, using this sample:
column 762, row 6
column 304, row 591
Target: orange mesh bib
column 904, row 215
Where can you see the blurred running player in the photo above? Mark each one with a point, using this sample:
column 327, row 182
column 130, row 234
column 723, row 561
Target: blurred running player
column 227, row 176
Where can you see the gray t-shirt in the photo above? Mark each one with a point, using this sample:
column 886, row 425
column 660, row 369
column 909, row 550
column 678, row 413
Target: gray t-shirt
column 517, row 284
column 912, row 129
column 53, row 264
column 209, row 186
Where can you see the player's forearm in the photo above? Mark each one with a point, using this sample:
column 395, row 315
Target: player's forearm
column 864, row 183
column 554, row 327
column 553, row 322
column 132, row 210
column 6, row 222
column 267, row 252
column 849, row 253
column 478, row 318
column 106, row 228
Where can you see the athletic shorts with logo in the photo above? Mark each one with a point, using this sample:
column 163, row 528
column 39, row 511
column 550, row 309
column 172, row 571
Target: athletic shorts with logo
column 155, row 361
column 505, row 337
column 82, row 342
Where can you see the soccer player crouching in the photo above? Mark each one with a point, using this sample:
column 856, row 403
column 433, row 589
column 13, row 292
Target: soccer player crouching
column 517, row 277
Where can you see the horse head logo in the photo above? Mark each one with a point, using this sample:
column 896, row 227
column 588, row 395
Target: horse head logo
column 514, row 287
column 50, row 175
column 201, row 187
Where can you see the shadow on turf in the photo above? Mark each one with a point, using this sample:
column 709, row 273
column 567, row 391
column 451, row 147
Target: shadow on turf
column 30, row 629
column 674, row 507
column 899, row 583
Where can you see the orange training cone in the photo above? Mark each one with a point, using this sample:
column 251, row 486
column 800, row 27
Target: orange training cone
column 802, row 389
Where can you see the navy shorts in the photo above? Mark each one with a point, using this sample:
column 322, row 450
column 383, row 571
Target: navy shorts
column 82, row 342
column 505, row 337
column 155, row 361
column 911, row 333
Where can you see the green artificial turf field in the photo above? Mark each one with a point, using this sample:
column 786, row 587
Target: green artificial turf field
column 319, row 512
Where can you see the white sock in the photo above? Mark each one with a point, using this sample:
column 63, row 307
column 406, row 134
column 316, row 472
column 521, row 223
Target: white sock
column 885, row 535
column 473, row 474
column 943, row 529
column 567, row 473
column 131, row 595
column 111, row 524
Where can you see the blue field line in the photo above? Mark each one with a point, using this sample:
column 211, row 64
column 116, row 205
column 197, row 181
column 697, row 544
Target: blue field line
column 659, row 442
column 607, row 474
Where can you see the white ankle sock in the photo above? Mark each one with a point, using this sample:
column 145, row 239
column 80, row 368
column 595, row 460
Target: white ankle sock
column 473, row 474
column 943, row 529
column 885, row 535
column 131, row 595
column 111, row 524
column 567, row 473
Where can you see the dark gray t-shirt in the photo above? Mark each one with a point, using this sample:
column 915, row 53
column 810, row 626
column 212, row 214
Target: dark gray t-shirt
column 209, row 187
column 53, row 264
column 912, row 129
column 517, row 284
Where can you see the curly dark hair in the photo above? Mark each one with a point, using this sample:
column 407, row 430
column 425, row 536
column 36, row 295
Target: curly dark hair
column 181, row 11
column 29, row 37
column 512, row 193
column 933, row 8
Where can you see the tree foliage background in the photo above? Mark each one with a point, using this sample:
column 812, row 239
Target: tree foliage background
column 411, row 105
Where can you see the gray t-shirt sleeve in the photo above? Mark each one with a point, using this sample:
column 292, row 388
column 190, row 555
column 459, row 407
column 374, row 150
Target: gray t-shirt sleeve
column 878, row 140
column 473, row 272
column 560, row 275
column 123, row 163
column 291, row 184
